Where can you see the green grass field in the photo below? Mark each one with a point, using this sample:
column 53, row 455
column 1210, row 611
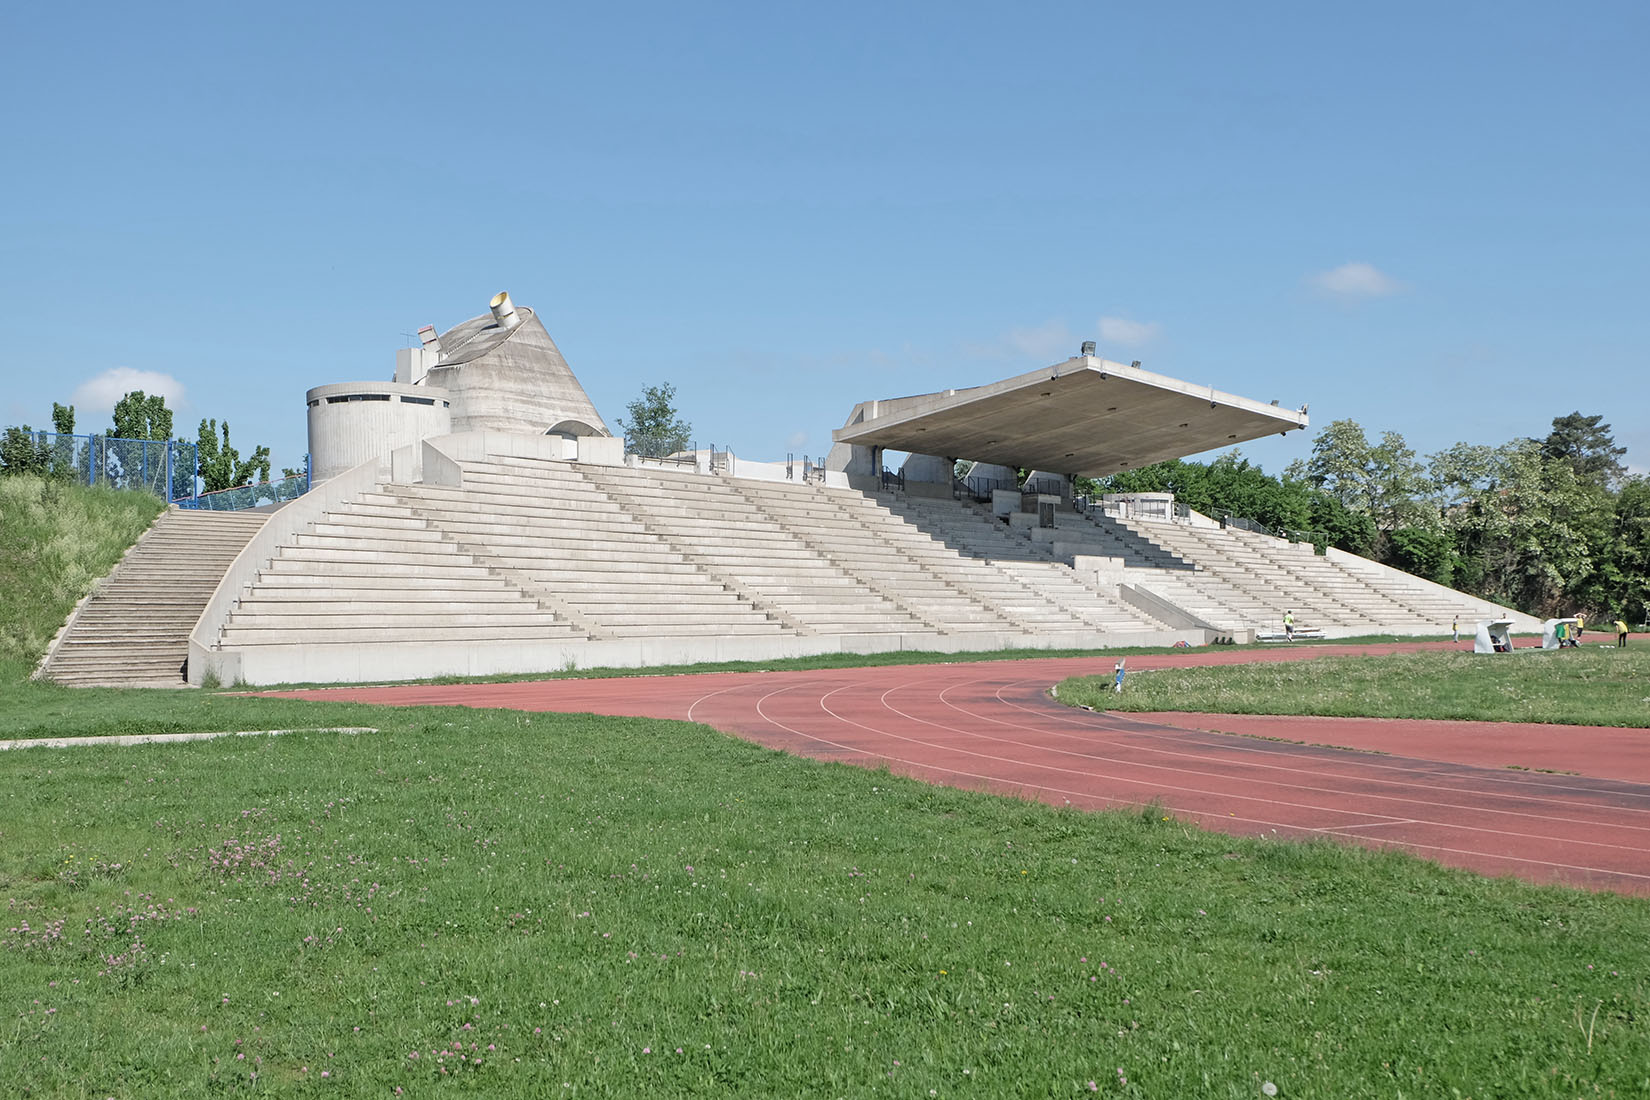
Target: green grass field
column 611, row 907
column 514, row 905
column 1596, row 685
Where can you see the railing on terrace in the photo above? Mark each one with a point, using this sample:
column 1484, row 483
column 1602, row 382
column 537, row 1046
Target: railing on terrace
column 980, row 488
column 667, row 452
column 243, row 497
column 893, row 479
column 1157, row 511
column 1229, row 520
column 166, row 468
column 1048, row 486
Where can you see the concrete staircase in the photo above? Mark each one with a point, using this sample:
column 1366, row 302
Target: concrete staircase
column 133, row 630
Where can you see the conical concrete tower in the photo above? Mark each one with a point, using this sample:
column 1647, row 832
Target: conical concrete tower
column 504, row 373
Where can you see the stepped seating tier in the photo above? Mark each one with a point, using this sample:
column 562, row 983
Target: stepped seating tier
column 525, row 563
column 1239, row 579
column 373, row 571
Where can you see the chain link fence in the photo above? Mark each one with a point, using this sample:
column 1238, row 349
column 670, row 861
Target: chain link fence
column 164, row 467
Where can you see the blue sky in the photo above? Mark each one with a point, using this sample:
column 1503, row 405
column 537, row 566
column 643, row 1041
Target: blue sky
column 1431, row 218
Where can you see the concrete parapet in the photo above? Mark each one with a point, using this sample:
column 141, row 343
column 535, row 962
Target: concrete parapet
column 399, row 661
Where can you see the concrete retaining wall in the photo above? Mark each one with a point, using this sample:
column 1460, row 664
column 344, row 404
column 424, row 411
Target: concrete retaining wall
column 393, row 661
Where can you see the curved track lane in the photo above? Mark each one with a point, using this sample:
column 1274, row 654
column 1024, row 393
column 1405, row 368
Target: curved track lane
column 1491, row 797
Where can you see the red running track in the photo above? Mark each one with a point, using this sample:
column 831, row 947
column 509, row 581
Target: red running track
column 1562, row 804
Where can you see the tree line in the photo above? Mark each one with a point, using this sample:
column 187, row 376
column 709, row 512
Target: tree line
column 138, row 417
column 1552, row 526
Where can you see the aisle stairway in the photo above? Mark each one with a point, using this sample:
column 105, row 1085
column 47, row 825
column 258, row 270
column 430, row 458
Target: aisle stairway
column 133, row 630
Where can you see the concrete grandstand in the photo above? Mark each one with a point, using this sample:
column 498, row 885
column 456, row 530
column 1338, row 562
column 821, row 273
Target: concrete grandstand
column 476, row 516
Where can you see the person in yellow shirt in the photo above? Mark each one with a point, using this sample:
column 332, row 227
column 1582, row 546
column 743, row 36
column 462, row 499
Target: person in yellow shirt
column 1621, row 634
column 1581, row 624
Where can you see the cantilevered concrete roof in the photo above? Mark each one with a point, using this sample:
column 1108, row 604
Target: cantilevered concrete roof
column 1085, row 416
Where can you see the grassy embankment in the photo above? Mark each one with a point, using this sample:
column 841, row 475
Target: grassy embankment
column 55, row 540
column 531, row 905
column 1594, row 685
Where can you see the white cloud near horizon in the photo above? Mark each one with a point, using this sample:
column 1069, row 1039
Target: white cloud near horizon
column 1131, row 334
column 98, row 395
column 1048, row 342
column 1356, row 280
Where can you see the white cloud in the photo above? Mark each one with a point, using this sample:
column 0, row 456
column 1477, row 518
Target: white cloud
column 1356, row 280
column 1131, row 334
column 1050, row 340
column 796, row 440
column 1044, row 343
column 97, row 396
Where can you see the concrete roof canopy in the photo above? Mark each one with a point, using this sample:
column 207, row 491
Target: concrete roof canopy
column 1086, row 416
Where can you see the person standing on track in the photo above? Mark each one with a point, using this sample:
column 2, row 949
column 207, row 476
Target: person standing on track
column 1621, row 633
column 1289, row 626
column 1455, row 628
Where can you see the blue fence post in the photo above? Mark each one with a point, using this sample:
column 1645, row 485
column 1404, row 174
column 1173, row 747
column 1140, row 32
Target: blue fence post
column 309, row 474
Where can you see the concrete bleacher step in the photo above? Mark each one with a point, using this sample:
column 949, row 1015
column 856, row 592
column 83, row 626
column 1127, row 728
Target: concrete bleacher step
column 563, row 539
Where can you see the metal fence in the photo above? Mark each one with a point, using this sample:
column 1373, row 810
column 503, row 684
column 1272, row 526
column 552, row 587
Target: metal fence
column 166, row 468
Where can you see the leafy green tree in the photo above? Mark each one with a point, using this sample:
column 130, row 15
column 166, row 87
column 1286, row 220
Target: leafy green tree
column 1339, row 466
column 1627, row 576
column 128, row 457
column 1398, row 486
column 654, row 429
column 1383, row 480
column 221, row 466
column 142, row 416
column 67, row 459
column 1462, row 472
column 1586, row 444
column 25, row 451
column 1334, row 524
column 1423, row 551
column 1534, row 540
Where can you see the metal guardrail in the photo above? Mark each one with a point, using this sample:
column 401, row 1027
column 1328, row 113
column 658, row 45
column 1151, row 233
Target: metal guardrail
column 1230, row 520
column 164, row 467
column 981, row 488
